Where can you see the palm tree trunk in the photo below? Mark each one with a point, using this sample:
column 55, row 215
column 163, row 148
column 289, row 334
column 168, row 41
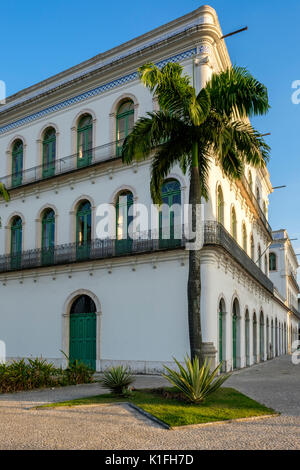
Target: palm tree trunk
column 194, row 281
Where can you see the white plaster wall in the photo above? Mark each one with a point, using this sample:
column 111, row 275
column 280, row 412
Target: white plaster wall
column 143, row 313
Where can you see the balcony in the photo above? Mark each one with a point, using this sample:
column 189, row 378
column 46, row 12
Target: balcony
column 214, row 235
column 62, row 166
column 255, row 202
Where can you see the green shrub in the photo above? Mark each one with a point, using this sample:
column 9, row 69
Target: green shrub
column 78, row 373
column 117, row 380
column 38, row 373
column 195, row 382
column 26, row 375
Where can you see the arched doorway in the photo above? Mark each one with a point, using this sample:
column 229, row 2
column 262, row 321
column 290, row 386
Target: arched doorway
column 222, row 333
column 254, row 338
column 235, row 334
column 261, row 337
column 247, row 338
column 272, row 338
column 83, row 331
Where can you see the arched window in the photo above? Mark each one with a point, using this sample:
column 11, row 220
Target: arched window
column 244, row 237
column 220, row 206
column 124, row 213
column 17, row 163
column 272, row 262
column 233, row 223
column 48, row 236
column 16, row 242
column 83, row 230
column 250, row 181
column 84, row 141
column 252, row 248
column 170, row 214
column 124, row 124
column 259, row 256
column 49, row 152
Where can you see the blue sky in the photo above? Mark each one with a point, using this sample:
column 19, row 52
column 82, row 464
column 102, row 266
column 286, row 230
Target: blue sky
column 43, row 38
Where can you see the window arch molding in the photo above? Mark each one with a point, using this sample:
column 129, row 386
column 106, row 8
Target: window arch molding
column 220, row 204
column 233, row 223
column 66, row 310
column 74, row 127
column 9, row 150
column 236, row 298
column 114, row 110
column 7, row 228
column 73, row 215
column 38, row 221
column 40, row 140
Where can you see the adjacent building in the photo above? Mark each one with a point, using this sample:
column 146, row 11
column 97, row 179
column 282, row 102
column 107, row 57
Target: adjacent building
column 121, row 300
column 283, row 265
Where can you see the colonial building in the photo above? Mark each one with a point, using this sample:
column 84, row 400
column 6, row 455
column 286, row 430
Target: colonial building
column 283, row 265
column 121, row 300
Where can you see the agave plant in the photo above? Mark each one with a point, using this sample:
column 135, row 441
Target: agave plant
column 195, row 382
column 117, row 379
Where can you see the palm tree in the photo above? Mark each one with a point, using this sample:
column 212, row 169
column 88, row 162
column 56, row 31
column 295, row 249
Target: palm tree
column 5, row 194
column 194, row 130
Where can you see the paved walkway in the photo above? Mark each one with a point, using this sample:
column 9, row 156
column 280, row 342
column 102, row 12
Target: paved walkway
column 275, row 383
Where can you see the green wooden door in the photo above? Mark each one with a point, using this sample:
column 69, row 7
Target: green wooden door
column 169, row 221
column 234, row 340
column 48, row 237
column 85, row 141
column 49, row 153
column 17, row 164
column 83, row 338
column 16, row 243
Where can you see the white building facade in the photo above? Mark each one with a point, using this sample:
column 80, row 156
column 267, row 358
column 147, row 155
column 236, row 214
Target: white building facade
column 283, row 266
column 63, row 289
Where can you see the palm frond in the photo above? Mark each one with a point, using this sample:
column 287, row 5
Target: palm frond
column 4, row 193
column 236, row 90
column 148, row 133
column 174, row 92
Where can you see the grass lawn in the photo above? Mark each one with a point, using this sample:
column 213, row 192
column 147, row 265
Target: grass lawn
column 224, row 404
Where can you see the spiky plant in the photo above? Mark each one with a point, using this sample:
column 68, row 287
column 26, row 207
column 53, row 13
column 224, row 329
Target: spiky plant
column 194, row 381
column 117, row 379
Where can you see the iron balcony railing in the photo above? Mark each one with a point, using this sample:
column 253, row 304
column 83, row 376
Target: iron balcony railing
column 95, row 250
column 256, row 204
column 64, row 165
column 214, row 235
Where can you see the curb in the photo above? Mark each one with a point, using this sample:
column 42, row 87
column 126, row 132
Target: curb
column 225, row 421
column 148, row 415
